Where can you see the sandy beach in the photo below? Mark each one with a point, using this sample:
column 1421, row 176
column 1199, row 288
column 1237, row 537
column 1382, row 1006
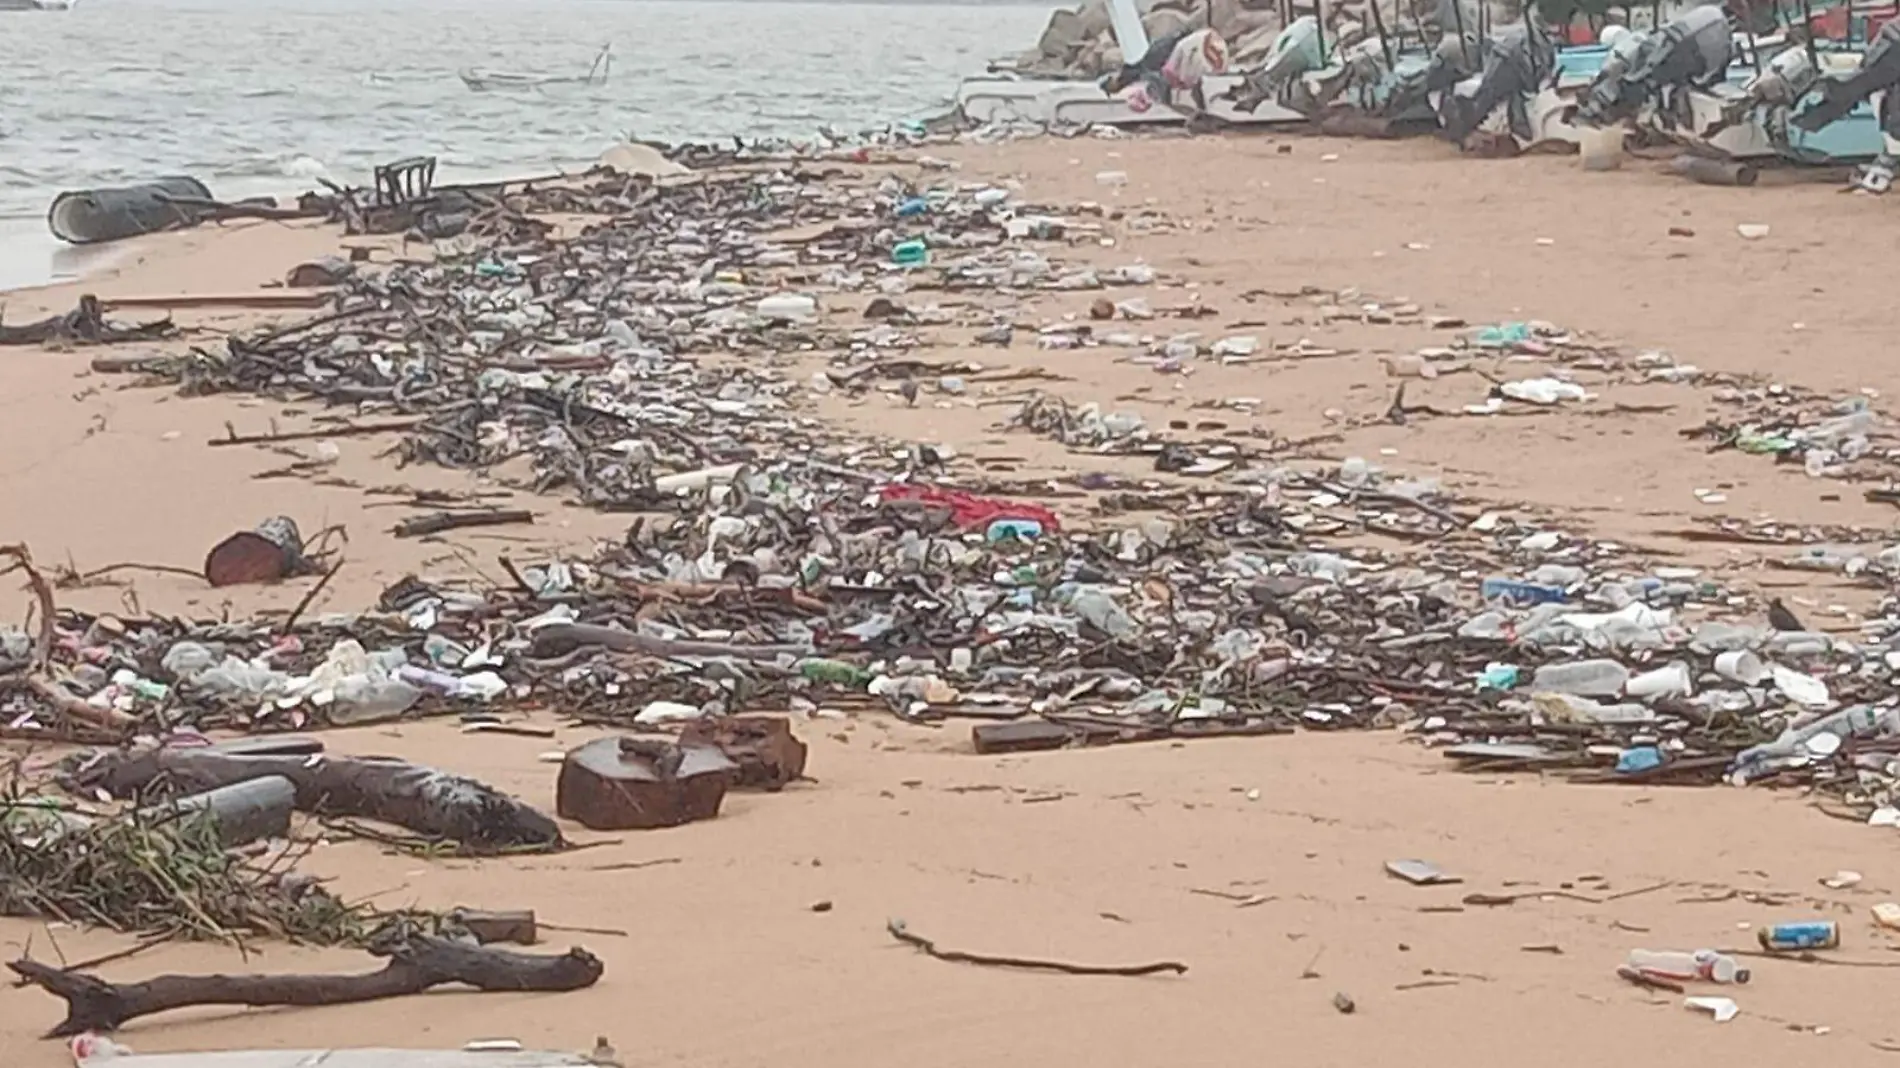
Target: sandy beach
column 1257, row 862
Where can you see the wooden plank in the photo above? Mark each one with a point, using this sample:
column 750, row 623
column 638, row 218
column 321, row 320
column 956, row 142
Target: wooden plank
column 345, row 1058
column 256, row 298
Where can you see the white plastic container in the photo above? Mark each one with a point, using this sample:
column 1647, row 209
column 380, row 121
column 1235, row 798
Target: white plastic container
column 1601, row 148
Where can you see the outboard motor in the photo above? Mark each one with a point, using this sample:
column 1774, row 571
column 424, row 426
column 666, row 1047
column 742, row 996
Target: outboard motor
column 1518, row 59
column 1774, row 92
column 1295, row 51
column 1692, row 51
column 1879, row 69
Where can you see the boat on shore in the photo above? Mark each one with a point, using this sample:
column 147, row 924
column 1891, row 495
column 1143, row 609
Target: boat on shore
column 482, row 80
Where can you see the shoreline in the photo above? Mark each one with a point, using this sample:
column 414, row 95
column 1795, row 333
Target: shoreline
column 1257, row 861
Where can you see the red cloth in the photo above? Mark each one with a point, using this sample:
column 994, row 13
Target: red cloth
column 968, row 509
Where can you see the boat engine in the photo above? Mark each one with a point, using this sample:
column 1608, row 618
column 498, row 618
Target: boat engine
column 1879, row 70
column 1691, row 52
column 1295, row 51
column 1357, row 77
column 1774, row 93
column 1517, row 60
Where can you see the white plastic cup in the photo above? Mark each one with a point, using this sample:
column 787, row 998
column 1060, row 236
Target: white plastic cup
column 1741, row 666
column 1670, row 680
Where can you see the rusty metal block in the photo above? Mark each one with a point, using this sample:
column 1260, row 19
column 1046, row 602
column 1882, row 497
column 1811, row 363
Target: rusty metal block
column 619, row 784
column 766, row 751
column 1021, row 737
column 489, row 927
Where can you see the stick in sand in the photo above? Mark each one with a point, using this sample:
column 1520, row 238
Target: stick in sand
column 903, row 934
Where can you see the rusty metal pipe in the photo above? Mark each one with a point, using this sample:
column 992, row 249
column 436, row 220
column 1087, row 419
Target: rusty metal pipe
column 1714, row 171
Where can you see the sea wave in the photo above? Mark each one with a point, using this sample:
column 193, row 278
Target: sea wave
column 250, row 93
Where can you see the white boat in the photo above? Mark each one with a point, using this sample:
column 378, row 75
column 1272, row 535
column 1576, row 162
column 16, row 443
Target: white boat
column 36, row 5
column 482, row 80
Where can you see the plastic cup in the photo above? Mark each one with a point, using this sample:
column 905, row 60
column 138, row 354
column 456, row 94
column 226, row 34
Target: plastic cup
column 1741, row 666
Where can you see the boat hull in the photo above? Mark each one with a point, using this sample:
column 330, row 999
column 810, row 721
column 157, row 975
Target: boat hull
column 1854, row 138
column 1049, row 102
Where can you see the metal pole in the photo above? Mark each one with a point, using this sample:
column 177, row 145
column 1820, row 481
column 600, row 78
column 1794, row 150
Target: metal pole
column 1385, row 43
column 1458, row 20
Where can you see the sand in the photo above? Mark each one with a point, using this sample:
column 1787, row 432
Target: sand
column 1140, row 852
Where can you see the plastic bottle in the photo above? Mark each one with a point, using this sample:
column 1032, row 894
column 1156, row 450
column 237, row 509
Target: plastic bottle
column 1855, row 721
column 1557, row 575
column 1586, row 678
column 787, row 308
column 1704, row 964
column 912, row 207
column 1638, row 758
column 186, row 659
column 1499, row 677
column 1099, row 610
column 836, row 671
column 1513, row 592
column 1487, row 626
column 242, row 812
column 369, row 698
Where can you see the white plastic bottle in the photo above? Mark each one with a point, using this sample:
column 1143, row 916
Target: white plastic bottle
column 1585, row 678
column 1682, row 966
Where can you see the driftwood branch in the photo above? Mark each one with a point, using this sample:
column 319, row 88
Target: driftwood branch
column 415, row 965
column 904, row 934
column 437, row 522
column 84, row 324
column 222, row 210
column 63, row 703
column 424, row 800
column 560, row 639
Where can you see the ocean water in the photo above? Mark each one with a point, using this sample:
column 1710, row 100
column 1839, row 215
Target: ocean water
column 255, row 96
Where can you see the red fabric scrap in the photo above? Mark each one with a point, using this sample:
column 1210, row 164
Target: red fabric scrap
column 969, row 510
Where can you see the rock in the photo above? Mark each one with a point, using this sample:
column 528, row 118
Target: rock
column 328, row 271
column 619, row 784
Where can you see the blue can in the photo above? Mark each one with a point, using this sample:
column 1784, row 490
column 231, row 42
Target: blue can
column 1810, row 934
column 1514, row 592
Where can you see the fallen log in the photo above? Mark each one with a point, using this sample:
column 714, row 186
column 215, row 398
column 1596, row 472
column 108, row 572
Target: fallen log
column 416, row 964
column 429, row 802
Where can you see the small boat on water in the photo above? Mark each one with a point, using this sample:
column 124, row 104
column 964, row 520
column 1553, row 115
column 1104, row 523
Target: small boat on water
column 482, row 81
column 36, row 5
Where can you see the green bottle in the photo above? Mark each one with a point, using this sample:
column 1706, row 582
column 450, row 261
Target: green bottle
column 834, row 671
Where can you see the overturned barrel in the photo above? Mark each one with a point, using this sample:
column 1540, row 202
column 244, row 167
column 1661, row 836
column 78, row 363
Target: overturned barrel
column 93, row 216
